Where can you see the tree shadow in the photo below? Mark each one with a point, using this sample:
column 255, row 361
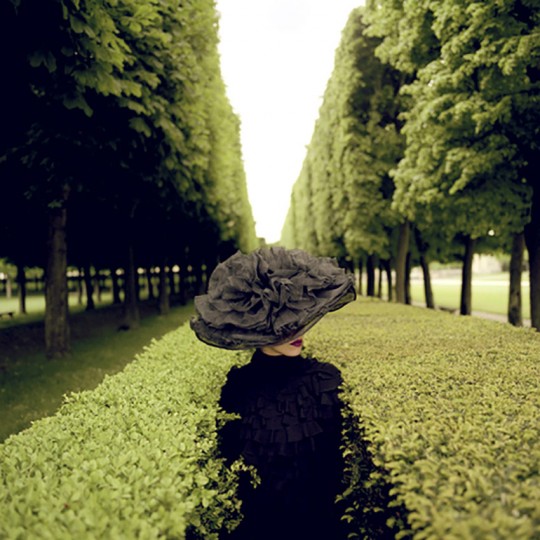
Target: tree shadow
column 370, row 511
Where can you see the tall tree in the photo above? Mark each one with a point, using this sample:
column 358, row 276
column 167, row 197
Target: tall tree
column 472, row 127
column 355, row 144
column 117, row 106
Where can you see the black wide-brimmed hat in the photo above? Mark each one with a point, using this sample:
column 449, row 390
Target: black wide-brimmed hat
column 269, row 296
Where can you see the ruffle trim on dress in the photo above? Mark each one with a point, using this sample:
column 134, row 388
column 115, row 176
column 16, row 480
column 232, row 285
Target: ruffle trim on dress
column 286, row 424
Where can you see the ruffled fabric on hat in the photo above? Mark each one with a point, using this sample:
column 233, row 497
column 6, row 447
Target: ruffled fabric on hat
column 269, row 296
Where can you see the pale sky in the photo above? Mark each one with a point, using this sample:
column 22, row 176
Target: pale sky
column 276, row 58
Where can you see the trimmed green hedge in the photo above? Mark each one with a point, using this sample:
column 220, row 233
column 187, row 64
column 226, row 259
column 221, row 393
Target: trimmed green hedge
column 135, row 458
column 450, row 407
column 441, row 439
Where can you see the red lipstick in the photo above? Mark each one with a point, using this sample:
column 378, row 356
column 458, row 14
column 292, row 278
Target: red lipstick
column 296, row 343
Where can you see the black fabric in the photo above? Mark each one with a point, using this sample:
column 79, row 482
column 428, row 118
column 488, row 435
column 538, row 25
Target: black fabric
column 268, row 297
column 290, row 430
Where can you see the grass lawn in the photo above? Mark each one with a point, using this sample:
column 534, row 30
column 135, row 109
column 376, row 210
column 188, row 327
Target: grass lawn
column 32, row 386
column 35, row 306
column 489, row 293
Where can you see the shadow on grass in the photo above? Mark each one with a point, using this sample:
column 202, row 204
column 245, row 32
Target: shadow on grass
column 32, row 387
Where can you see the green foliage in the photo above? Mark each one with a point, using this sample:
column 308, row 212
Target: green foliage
column 136, row 457
column 7, row 268
column 448, row 407
column 408, row 41
column 299, row 227
column 440, row 436
column 474, row 91
column 128, row 109
column 344, row 190
column 471, row 123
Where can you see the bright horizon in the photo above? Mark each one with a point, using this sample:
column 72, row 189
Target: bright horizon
column 276, row 59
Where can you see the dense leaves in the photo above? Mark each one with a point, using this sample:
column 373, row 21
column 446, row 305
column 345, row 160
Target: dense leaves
column 448, row 407
column 118, row 126
column 137, row 457
column 341, row 203
column 431, row 118
column 472, row 124
column 332, row 170
column 440, row 436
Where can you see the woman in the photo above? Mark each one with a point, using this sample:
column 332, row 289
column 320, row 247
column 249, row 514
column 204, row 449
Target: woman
column 289, row 425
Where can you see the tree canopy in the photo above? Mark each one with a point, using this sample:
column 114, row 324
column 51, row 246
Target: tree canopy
column 355, row 144
column 430, row 118
column 119, row 133
column 472, row 125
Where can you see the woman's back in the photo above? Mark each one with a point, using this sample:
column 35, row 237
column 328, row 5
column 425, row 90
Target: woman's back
column 290, row 430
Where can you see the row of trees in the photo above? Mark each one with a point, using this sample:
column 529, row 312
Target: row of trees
column 426, row 146
column 119, row 148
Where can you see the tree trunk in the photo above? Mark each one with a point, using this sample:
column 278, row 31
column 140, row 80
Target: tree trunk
column 516, row 267
column 9, row 288
column 428, row 290
column 89, row 286
column 388, row 270
column 532, row 238
column 99, row 285
column 172, row 282
column 56, row 289
column 198, row 276
column 21, row 282
column 80, row 288
column 423, row 247
column 370, row 271
column 465, row 307
column 360, row 276
column 408, row 299
column 137, row 286
column 131, row 307
column 164, row 298
column 183, row 283
column 379, row 281
column 150, row 283
column 115, row 287
column 401, row 262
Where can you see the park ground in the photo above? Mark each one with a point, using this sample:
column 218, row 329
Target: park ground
column 32, row 387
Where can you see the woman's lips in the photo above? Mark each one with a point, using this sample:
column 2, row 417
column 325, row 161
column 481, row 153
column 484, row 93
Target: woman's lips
column 296, row 343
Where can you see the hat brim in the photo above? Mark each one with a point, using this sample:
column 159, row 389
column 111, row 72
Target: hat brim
column 234, row 338
column 268, row 297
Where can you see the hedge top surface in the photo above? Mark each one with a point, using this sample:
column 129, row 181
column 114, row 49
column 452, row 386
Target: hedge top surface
column 134, row 458
column 451, row 407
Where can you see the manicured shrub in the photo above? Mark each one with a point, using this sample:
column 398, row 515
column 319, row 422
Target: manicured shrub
column 441, row 437
column 135, row 458
column 449, row 409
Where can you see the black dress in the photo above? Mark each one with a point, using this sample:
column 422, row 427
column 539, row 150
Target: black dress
column 290, row 431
